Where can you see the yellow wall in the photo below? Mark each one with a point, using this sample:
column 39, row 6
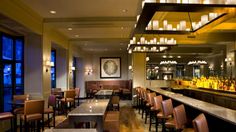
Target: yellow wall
column 17, row 11
column 139, row 64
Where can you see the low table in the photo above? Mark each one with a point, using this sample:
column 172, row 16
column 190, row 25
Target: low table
column 92, row 110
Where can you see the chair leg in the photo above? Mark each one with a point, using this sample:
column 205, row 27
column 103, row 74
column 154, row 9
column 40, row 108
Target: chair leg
column 20, row 125
column 150, row 122
column 48, row 121
column 54, row 120
column 156, row 123
column 12, row 124
column 43, row 122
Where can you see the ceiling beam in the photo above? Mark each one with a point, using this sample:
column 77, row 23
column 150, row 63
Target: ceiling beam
column 88, row 19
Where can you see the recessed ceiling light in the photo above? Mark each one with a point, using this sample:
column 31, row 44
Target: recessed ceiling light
column 122, row 28
column 170, row 56
column 76, row 35
column 69, row 29
column 178, row 56
column 164, row 56
column 124, row 10
column 53, row 12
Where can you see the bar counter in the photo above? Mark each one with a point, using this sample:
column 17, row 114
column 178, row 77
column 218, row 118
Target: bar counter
column 225, row 114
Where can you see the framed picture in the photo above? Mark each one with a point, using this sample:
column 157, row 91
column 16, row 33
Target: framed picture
column 110, row 67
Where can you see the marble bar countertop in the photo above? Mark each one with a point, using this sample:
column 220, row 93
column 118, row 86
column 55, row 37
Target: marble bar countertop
column 70, row 130
column 104, row 92
column 90, row 107
column 223, row 113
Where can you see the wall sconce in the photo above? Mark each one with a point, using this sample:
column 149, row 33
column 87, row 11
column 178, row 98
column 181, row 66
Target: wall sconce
column 49, row 64
column 130, row 67
column 89, row 71
column 72, row 68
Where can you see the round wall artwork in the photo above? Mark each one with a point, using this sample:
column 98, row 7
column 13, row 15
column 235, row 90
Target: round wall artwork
column 110, row 67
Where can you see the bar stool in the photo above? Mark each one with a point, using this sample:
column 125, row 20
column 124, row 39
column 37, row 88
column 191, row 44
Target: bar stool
column 181, row 119
column 7, row 116
column 200, row 123
column 51, row 109
column 149, row 104
column 167, row 108
column 144, row 101
column 155, row 109
column 33, row 111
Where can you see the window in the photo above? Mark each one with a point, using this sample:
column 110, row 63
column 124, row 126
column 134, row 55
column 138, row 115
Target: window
column 53, row 69
column 12, row 73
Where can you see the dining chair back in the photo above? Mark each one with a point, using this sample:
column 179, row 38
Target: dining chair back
column 34, row 106
column 21, row 97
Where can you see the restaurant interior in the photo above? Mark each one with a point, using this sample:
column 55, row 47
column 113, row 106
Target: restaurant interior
column 118, row 66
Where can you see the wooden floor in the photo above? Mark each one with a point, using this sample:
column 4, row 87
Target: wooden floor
column 130, row 119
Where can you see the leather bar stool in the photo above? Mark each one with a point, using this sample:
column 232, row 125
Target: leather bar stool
column 51, row 109
column 144, row 101
column 33, row 111
column 7, row 116
column 149, row 104
column 140, row 99
column 167, row 109
column 200, row 124
column 155, row 109
column 181, row 119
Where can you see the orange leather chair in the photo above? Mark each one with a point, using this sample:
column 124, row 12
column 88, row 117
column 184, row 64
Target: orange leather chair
column 200, row 124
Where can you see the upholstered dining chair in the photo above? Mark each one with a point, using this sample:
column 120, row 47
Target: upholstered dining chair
column 51, row 109
column 77, row 95
column 18, row 109
column 69, row 96
column 33, row 111
column 7, row 116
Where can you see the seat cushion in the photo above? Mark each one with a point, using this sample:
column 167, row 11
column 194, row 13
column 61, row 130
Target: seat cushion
column 32, row 117
column 48, row 110
column 6, row 115
column 170, row 123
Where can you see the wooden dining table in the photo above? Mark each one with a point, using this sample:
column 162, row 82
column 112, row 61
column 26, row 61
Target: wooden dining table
column 91, row 110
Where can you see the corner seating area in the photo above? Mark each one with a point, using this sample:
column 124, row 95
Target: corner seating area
column 122, row 88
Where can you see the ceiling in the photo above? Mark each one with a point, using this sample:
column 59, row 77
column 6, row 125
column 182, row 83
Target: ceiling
column 108, row 25
column 97, row 25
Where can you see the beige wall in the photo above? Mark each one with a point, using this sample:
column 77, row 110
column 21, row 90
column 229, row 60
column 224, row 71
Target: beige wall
column 33, row 66
column 93, row 61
